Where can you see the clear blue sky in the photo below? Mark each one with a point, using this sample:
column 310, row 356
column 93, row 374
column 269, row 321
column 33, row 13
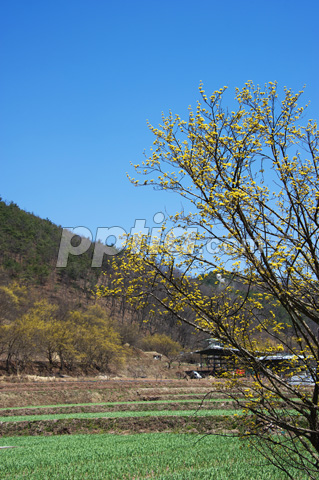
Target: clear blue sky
column 80, row 78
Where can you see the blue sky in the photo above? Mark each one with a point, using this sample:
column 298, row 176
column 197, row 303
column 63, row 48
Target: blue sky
column 80, row 78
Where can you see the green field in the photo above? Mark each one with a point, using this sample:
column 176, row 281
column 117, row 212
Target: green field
column 160, row 437
column 135, row 457
column 155, row 413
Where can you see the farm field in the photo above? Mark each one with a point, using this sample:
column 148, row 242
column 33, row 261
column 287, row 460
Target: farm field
column 134, row 430
column 139, row 456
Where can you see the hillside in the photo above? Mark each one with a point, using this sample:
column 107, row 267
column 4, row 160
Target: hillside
column 29, row 249
column 52, row 314
column 39, row 301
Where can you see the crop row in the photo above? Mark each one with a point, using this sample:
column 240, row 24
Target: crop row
column 134, row 457
column 111, row 404
column 157, row 413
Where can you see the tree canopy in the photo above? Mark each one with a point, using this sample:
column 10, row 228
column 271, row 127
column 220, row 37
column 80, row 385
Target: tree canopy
column 249, row 180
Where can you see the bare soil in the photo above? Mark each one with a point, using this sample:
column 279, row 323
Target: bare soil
column 25, row 393
column 187, row 424
column 22, row 393
column 131, row 407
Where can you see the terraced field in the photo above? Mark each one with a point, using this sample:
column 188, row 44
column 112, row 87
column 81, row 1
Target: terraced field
column 122, row 430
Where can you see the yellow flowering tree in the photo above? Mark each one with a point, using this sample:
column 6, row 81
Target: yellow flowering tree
column 249, row 180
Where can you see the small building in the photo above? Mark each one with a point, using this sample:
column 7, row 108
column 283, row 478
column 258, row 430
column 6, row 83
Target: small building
column 286, row 364
column 154, row 355
column 215, row 359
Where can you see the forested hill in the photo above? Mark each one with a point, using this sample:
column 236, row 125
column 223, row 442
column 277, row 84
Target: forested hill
column 35, row 295
column 29, row 249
